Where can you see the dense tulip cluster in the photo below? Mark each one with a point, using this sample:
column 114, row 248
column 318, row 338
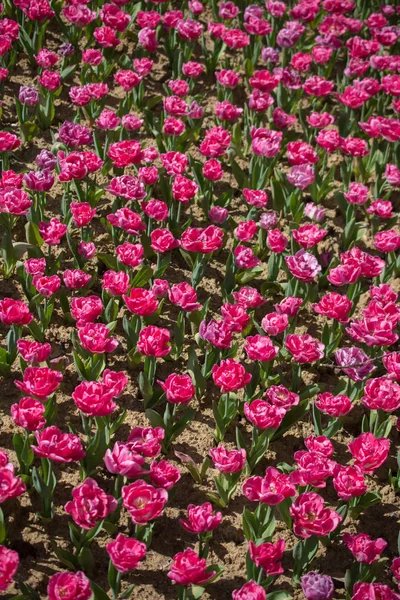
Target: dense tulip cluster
column 199, row 215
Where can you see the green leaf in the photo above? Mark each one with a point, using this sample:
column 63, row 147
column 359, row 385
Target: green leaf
column 195, row 372
column 317, row 420
column 183, row 422
column 142, row 277
column 32, row 234
column 292, row 416
column 128, row 593
column 98, row 592
column 151, row 102
column 197, row 591
column 303, row 554
column 67, row 558
column 239, row 174
column 109, row 260
column 3, row 529
column 279, row 595
column 68, row 71
column 86, row 559
column 155, row 419
column 79, row 365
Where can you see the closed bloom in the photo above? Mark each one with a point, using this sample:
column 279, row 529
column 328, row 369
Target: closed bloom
column 29, row 414
column 188, row 569
column 183, row 295
column 334, row 406
column 141, row 302
column 146, row 440
column 96, row 338
column 275, row 323
column 86, row 309
column 94, row 398
column 366, row 591
column 250, row 591
column 303, row 265
column 47, row 285
column 347, row 357
column 317, row 587
column 154, row 341
column 217, row 333
column 335, row 306
column 178, row 389
column 260, row 347
column 201, row 519
column 10, row 485
column 228, row 461
column 349, row 482
column 382, row 394
column 90, row 504
column 314, row 469
column 126, row 553
column 164, row 474
column 230, row 376
column 14, row 312
column 264, row 415
column 123, row 460
column 304, row 348
column 162, row 240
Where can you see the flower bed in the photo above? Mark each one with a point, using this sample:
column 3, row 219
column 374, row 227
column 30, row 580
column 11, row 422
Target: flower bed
column 199, row 310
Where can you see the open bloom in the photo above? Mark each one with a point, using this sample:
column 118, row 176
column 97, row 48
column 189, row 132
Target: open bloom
column 39, row 382
column 311, row 517
column 9, row 561
column 369, row 452
column 268, row 556
column 363, row 548
column 89, row 504
column 57, row 446
column 271, row 489
column 69, row 586
column 143, row 501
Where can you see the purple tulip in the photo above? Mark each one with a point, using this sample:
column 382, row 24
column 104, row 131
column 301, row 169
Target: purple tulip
column 317, row 587
column 268, row 219
column 28, row 95
column 66, row 49
column 354, row 356
column 46, row 160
